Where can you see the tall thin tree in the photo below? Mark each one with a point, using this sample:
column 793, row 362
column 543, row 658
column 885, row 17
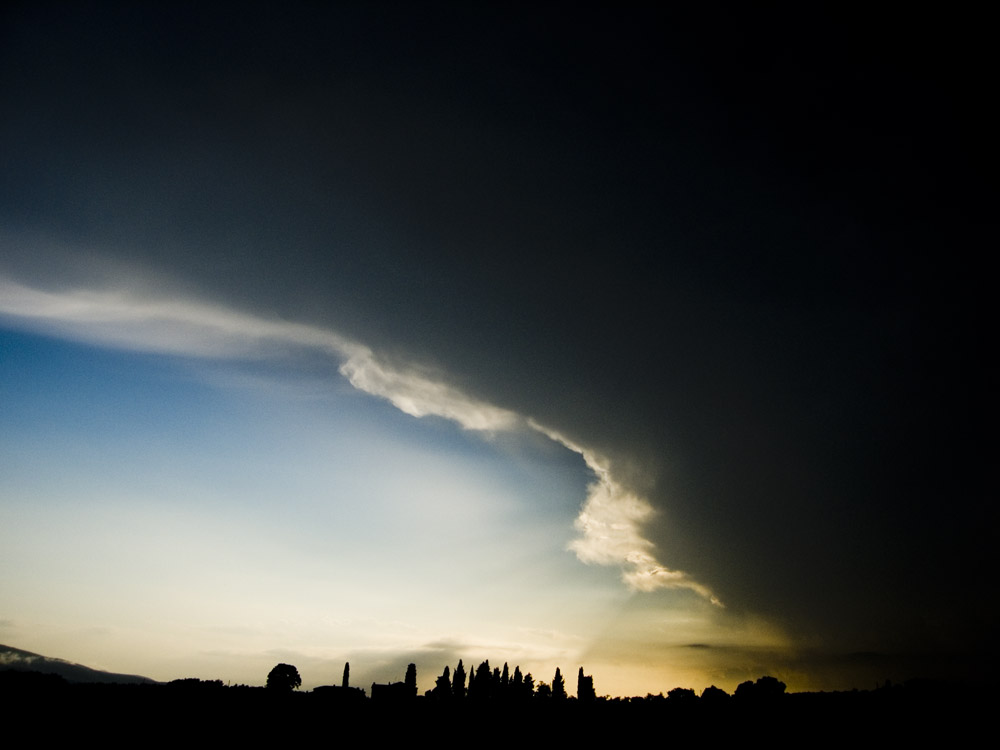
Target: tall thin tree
column 442, row 687
column 585, row 687
column 558, row 686
column 458, row 681
column 411, row 680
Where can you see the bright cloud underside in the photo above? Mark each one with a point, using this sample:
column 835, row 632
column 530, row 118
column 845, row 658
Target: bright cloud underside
column 611, row 517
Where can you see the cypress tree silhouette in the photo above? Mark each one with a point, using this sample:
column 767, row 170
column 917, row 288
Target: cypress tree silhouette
column 483, row 682
column 347, row 675
column 458, row 681
column 442, row 688
column 558, row 686
column 585, row 687
column 411, row 680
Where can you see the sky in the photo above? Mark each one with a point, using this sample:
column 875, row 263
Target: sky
column 647, row 340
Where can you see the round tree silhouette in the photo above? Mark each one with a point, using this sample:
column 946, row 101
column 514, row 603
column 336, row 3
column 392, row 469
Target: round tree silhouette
column 284, row 677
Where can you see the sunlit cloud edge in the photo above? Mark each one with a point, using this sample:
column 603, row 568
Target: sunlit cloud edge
column 611, row 517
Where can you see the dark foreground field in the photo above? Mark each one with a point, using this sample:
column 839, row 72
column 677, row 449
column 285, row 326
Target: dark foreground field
column 192, row 711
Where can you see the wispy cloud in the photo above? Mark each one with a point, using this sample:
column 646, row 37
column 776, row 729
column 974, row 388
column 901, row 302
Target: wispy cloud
column 610, row 521
column 172, row 326
column 419, row 395
column 191, row 328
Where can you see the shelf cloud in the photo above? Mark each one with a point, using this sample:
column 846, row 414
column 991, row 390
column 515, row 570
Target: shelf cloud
column 610, row 519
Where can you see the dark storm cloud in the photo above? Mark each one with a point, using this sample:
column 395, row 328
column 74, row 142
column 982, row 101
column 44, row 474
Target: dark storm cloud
column 730, row 252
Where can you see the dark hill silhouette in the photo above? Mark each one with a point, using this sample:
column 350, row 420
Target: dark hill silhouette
column 14, row 659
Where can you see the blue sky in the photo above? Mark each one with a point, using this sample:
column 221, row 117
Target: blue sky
column 161, row 500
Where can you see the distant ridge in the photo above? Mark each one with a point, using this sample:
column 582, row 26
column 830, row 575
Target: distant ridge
column 16, row 660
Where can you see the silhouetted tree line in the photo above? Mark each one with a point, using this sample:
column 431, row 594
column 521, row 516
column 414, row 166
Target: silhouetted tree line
column 496, row 684
column 465, row 698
